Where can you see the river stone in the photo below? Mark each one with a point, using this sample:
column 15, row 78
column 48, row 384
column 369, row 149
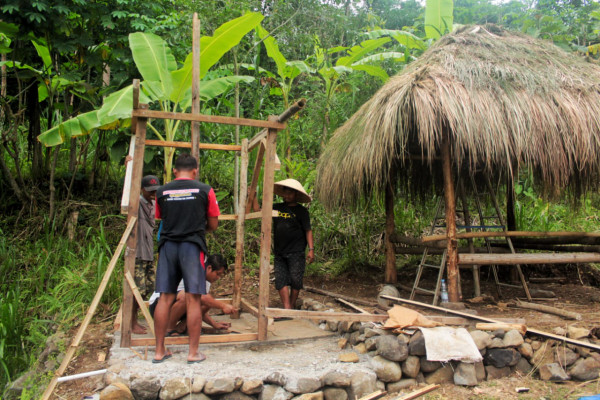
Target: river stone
column 337, row 379
column 333, row 325
column 276, row 378
column 482, row 339
column 513, row 338
column 15, row 388
column 523, row 366
column 584, row 351
column 251, row 386
column 526, row 350
column 371, row 343
column 536, row 344
column 553, row 372
column 585, row 369
column 116, row 391
column 543, row 355
column 175, row 388
column 400, row 385
column 309, row 396
column 560, row 331
column 444, row 374
column 362, row 383
column 575, row 332
column 380, row 385
column 565, row 356
column 416, row 346
column 390, row 347
column 348, row 357
column 360, row 348
column 195, row 396
column 500, row 358
column 465, row 374
column 334, row 393
column 480, row 371
column 429, row 366
column 496, row 373
column 345, row 326
column 411, row 366
column 370, row 332
column 198, row 383
column 387, row 371
column 497, row 343
column 145, row 388
column 219, row 386
column 499, row 333
column 300, row 385
column 236, row 396
column 274, row 392
column 354, row 338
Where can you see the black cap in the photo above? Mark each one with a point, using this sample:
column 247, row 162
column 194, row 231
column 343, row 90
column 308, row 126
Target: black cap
column 150, row 183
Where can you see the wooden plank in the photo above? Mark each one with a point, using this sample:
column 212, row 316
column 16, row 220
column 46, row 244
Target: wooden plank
column 323, row 315
column 529, row 258
column 257, row 139
column 215, row 119
column 132, row 211
column 240, row 226
column 253, row 215
column 484, row 319
column 204, row 339
column 391, row 274
column 352, row 306
column 249, row 308
column 140, row 301
column 118, row 319
column 550, row 310
column 450, row 200
column 486, row 326
column 448, row 320
column 265, row 239
column 188, row 145
column 467, row 235
column 255, row 176
column 374, row 395
column 128, row 174
column 90, row 313
column 340, row 296
column 419, row 392
column 195, row 128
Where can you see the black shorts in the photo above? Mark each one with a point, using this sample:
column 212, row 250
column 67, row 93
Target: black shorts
column 289, row 270
column 177, row 260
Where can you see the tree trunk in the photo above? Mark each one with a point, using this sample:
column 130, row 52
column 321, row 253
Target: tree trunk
column 511, row 221
column 391, row 275
column 35, row 147
column 56, row 150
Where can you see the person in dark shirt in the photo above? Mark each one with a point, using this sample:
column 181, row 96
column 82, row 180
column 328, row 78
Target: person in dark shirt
column 188, row 208
column 292, row 233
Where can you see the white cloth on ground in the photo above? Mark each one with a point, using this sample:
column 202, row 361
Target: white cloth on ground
column 444, row 344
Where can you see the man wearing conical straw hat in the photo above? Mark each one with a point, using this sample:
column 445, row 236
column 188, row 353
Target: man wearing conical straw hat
column 292, row 233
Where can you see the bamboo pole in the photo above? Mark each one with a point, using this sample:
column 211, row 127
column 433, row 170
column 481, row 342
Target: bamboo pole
column 265, row 240
column 90, row 313
column 324, row 315
column 132, row 211
column 550, row 310
column 529, row 258
column 140, row 301
column 187, row 145
column 391, row 275
column 467, row 216
column 240, row 226
column 434, row 238
column 340, row 296
column 450, row 199
column 195, row 85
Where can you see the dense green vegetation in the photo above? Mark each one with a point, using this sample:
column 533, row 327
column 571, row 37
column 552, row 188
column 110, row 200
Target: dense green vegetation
column 69, row 58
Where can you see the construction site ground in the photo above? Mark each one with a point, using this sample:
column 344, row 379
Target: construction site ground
column 580, row 293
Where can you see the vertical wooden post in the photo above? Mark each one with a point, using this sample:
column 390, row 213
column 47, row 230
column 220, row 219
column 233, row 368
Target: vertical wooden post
column 265, row 234
column 195, row 86
column 467, row 216
column 452, row 258
column 132, row 211
column 255, row 176
column 240, row 226
column 390, row 252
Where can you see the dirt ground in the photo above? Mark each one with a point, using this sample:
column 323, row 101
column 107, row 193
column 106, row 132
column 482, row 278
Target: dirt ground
column 580, row 293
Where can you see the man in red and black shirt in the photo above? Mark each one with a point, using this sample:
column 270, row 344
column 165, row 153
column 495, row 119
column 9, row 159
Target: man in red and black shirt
column 188, row 209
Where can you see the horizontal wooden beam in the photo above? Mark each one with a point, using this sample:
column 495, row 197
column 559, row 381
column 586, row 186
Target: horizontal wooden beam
column 188, row 145
column 529, row 258
column 490, row 320
column 226, row 338
column 216, row 119
column 487, row 234
column 321, row 315
column 253, row 215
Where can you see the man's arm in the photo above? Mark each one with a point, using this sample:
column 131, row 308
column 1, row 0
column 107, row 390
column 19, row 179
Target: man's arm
column 311, row 246
column 212, row 223
column 212, row 212
column 209, row 302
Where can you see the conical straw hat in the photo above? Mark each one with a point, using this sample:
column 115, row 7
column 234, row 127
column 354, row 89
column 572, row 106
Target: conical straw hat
column 301, row 197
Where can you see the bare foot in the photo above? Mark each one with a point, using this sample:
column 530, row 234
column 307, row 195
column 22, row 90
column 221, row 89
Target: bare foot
column 199, row 357
column 138, row 329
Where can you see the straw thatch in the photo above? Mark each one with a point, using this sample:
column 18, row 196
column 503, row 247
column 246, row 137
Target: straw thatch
column 504, row 100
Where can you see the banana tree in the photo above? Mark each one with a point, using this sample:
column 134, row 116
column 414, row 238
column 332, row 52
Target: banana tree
column 439, row 18
column 164, row 84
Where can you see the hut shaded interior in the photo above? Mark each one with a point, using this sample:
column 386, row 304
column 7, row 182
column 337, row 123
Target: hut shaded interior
column 503, row 101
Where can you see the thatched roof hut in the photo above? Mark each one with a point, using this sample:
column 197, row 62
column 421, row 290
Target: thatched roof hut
column 501, row 99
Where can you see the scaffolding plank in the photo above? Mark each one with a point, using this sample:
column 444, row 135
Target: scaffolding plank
column 216, row 119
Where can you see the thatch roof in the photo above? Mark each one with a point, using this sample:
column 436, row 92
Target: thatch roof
column 504, row 99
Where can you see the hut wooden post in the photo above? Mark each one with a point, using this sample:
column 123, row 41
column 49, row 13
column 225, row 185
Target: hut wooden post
column 265, row 235
column 390, row 253
column 467, row 215
column 452, row 258
column 195, row 86
column 239, row 240
column 139, row 127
